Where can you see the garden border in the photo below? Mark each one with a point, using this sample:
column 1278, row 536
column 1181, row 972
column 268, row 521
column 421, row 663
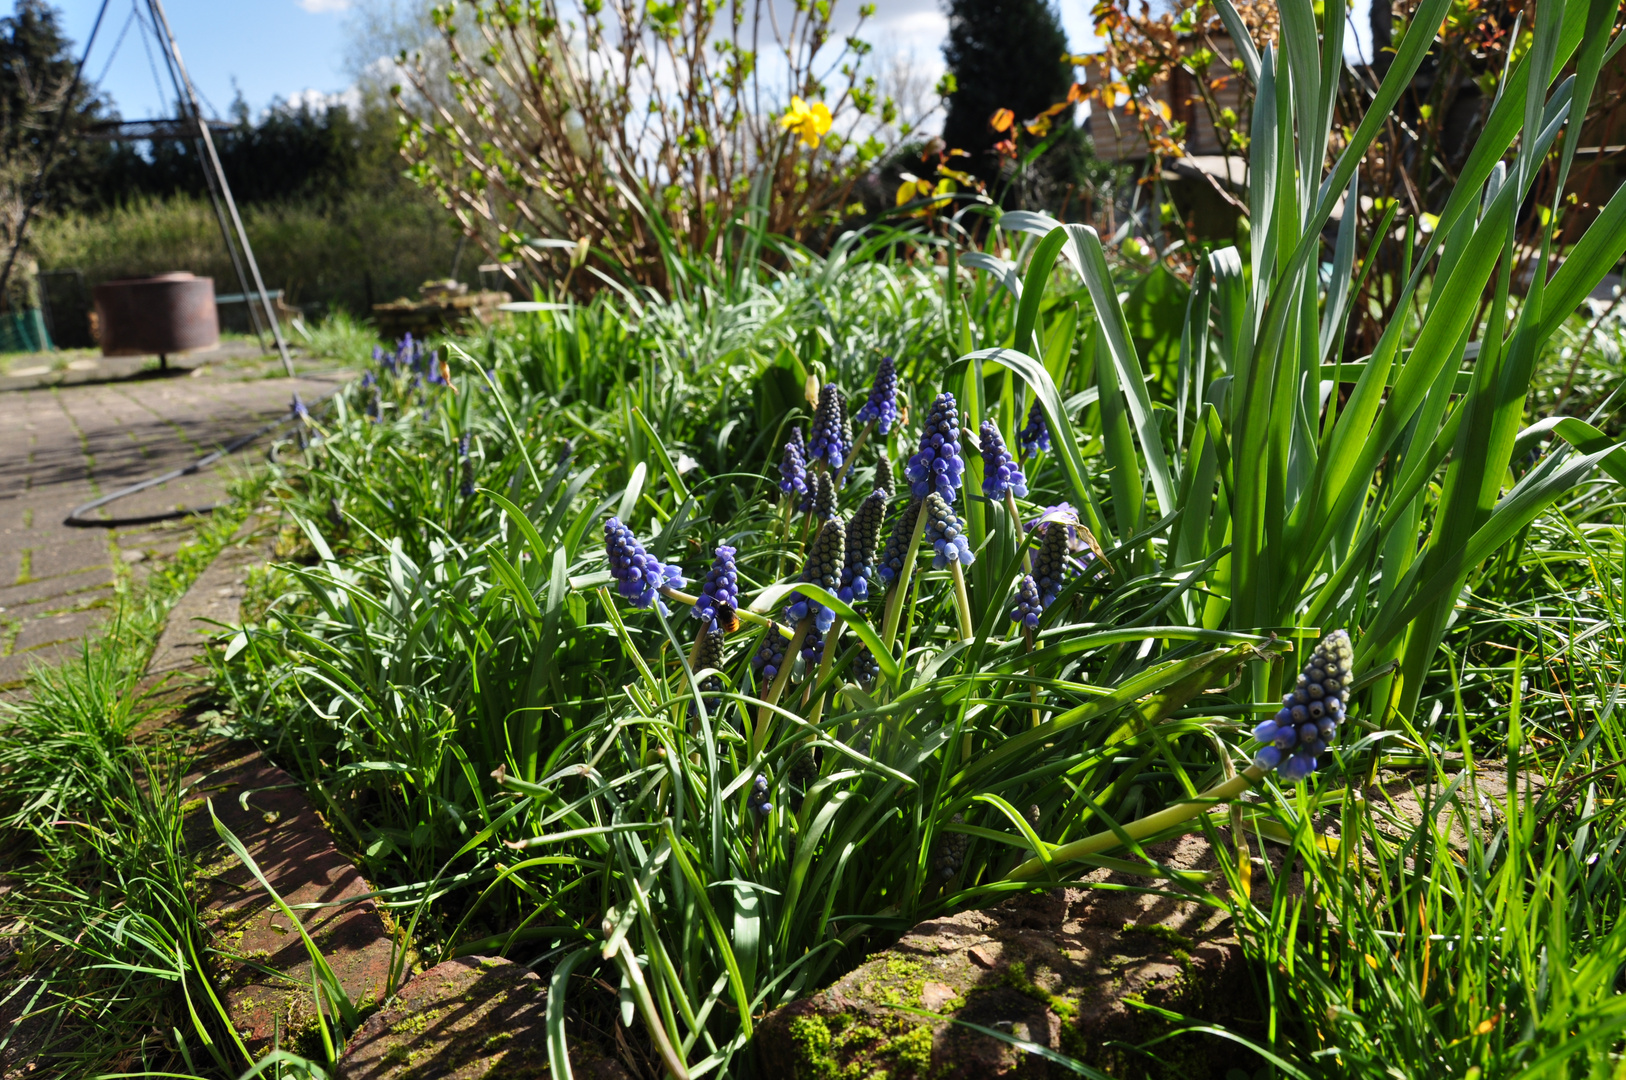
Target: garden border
column 263, row 973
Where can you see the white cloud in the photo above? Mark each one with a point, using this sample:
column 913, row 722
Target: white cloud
column 318, row 101
column 323, row 7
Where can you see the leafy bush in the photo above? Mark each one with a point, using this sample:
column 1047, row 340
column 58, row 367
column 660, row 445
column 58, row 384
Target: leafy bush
column 539, row 133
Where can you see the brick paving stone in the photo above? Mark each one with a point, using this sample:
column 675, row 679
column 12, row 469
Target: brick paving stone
column 466, row 1019
column 262, row 806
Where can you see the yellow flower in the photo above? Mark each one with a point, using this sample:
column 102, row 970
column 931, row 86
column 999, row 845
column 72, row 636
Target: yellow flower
column 808, row 121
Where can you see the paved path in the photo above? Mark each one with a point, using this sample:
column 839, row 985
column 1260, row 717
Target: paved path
column 62, row 447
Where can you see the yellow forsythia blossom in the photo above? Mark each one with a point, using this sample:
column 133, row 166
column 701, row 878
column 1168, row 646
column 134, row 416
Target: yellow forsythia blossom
column 808, row 121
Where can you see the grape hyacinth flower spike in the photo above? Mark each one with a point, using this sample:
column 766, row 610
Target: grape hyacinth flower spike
column 863, row 536
column 897, row 542
column 720, row 595
column 793, row 468
column 945, row 532
column 639, row 575
column 708, row 654
column 937, row 465
column 769, row 658
column 1026, row 610
column 883, row 477
column 1051, row 568
column 881, row 408
column 812, row 649
column 865, row 670
column 1310, row 713
column 824, row 570
column 1036, row 436
column 828, row 442
column 1001, row 475
column 758, row 799
column 466, row 488
column 950, row 853
column 824, row 496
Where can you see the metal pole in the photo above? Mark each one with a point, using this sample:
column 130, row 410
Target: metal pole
column 157, row 9
column 50, row 152
column 254, row 319
column 255, row 322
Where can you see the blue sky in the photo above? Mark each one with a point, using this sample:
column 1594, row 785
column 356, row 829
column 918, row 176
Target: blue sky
column 280, row 48
column 270, row 48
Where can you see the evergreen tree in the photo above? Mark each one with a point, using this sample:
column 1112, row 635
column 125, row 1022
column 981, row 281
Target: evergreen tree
column 37, row 63
column 1008, row 54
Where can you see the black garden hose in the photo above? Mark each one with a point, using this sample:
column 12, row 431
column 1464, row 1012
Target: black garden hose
column 76, row 517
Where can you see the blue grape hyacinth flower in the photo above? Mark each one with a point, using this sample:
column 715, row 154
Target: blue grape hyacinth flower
column 793, row 467
column 1051, row 566
column 769, row 658
column 1036, row 436
column 1000, row 472
column 865, row 669
column 1026, row 610
column 945, row 532
column 1297, row 735
column 466, row 488
column 720, row 595
column 828, row 443
column 937, row 465
column 639, row 575
column 882, row 405
column 863, row 537
column 823, row 569
column 758, row 799
column 812, row 649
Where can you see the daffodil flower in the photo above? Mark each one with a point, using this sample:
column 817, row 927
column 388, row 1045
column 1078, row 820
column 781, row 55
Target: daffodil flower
column 808, row 121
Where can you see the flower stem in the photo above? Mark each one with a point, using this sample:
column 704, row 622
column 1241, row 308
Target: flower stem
column 1033, row 688
column 962, row 602
column 1016, row 520
column 894, row 600
column 765, row 713
column 826, row 661
column 852, row 455
column 1137, row 830
column 784, row 535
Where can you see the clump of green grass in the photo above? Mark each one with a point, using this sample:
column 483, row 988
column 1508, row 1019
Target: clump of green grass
column 106, row 972
column 342, row 337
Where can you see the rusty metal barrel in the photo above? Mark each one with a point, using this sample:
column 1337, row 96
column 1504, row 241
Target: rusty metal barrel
column 162, row 315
